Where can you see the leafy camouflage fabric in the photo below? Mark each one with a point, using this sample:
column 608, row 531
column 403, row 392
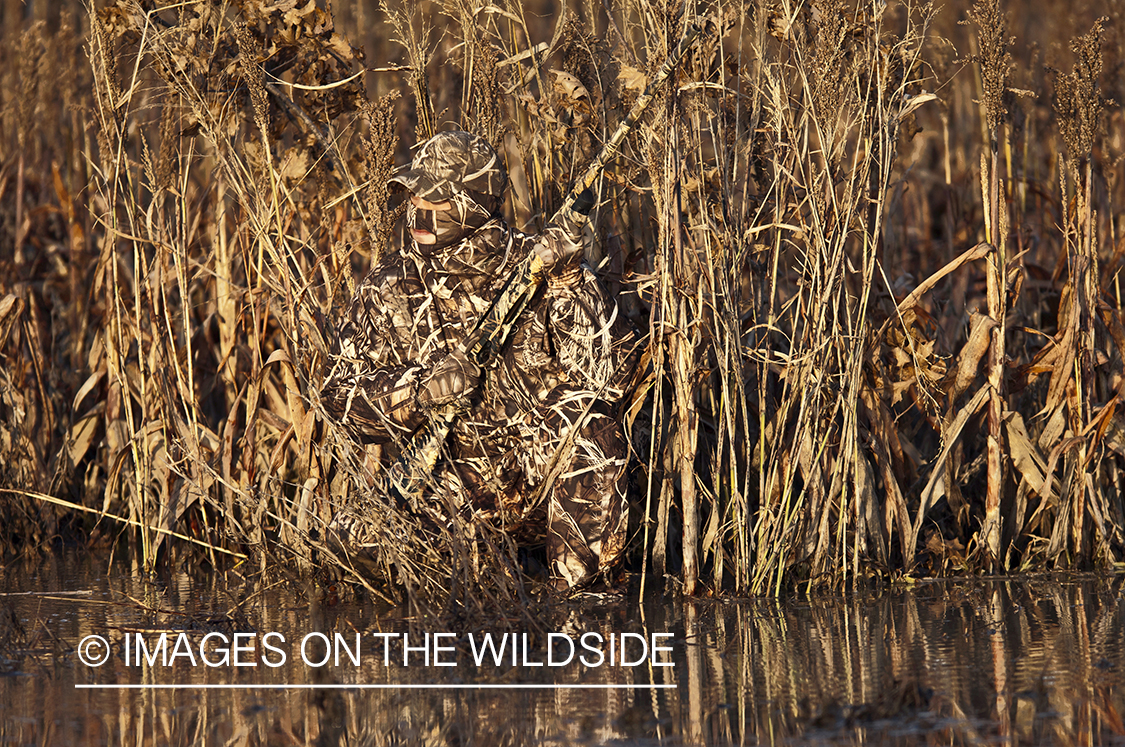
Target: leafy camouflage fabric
column 543, row 413
column 452, row 164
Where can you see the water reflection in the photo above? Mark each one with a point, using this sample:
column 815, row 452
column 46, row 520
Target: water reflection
column 1037, row 661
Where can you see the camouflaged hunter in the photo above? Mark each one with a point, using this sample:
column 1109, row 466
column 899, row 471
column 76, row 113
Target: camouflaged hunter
column 549, row 395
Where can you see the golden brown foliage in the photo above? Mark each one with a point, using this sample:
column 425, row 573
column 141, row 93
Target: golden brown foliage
column 872, row 350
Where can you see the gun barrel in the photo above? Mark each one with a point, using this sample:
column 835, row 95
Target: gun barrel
column 609, row 151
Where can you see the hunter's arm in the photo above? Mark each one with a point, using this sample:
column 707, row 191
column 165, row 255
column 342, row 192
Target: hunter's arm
column 593, row 341
column 376, row 369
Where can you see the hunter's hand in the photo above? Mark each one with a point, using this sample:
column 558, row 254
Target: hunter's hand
column 559, row 257
column 584, row 203
column 454, row 377
column 562, row 246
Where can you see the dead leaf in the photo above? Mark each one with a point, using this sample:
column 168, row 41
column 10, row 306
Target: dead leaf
column 950, row 433
column 85, row 388
column 568, row 86
column 1025, row 455
column 915, row 102
column 342, row 47
column 869, row 521
column 632, row 78
column 11, row 306
column 81, row 435
column 294, row 16
column 971, row 355
column 1054, row 430
column 295, row 166
column 1063, row 372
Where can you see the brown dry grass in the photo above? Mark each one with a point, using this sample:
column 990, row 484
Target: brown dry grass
column 881, row 288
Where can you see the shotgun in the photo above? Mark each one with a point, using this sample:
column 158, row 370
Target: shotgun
column 412, row 470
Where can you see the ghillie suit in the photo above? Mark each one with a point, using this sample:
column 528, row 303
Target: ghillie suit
column 543, row 409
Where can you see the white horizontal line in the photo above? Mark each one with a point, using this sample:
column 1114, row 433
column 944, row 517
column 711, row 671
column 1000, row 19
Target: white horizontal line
column 525, row 686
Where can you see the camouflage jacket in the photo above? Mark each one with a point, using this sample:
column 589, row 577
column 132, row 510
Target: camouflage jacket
column 414, row 308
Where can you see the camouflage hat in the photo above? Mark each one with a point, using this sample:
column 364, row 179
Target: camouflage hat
column 453, row 162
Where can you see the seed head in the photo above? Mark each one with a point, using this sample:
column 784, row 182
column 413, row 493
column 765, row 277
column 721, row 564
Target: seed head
column 994, row 59
column 1078, row 102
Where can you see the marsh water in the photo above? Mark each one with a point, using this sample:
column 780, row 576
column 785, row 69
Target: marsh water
column 1004, row 661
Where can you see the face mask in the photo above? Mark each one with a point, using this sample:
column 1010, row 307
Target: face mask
column 449, row 226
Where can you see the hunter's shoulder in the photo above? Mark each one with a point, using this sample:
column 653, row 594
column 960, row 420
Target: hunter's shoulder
column 392, row 277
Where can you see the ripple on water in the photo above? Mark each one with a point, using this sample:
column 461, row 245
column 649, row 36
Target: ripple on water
column 1038, row 661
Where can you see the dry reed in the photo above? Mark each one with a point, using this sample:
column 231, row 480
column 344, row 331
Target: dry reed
column 830, row 398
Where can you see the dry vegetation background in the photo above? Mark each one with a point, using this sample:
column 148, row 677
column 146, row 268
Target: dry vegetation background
column 876, row 249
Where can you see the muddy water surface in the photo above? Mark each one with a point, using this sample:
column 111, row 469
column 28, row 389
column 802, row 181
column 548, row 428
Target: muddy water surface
column 218, row 659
